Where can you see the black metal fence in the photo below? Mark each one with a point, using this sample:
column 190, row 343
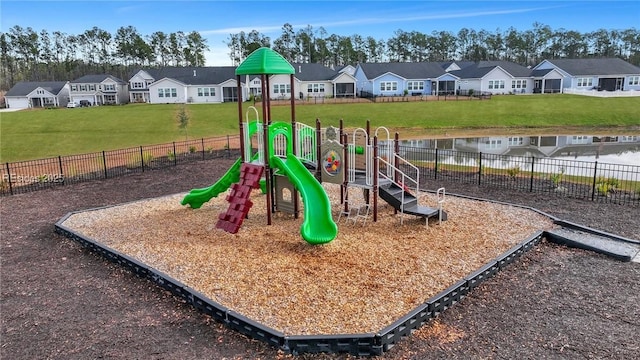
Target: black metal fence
column 27, row 176
column 566, row 178
column 577, row 179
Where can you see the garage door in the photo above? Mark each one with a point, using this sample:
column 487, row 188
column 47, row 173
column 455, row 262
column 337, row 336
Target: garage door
column 17, row 103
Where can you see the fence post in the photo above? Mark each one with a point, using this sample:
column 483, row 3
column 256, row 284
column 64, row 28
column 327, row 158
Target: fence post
column 9, row 177
column 175, row 156
column 479, row 168
column 533, row 163
column 104, row 163
column 141, row 159
column 60, row 166
column 593, row 186
column 435, row 175
column 202, row 141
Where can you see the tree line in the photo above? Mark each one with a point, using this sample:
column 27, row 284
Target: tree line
column 28, row 55
column 525, row 47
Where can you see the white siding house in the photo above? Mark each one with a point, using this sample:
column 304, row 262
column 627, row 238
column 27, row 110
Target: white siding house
column 34, row 94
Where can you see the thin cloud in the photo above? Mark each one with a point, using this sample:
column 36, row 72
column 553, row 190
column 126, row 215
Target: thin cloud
column 375, row 20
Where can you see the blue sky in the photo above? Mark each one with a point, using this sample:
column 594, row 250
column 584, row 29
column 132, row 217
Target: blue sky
column 215, row 20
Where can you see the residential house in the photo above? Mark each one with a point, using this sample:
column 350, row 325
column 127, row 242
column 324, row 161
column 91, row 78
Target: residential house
column 495, row 77
column 584, row 75
column 99, row 90
column 34, row 94
column 311, row 80
column 184, row 85
column 392, row 79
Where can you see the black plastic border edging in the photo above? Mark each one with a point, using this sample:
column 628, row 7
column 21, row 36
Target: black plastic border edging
column 354, row 344
column 574, row 226
column 199, row 301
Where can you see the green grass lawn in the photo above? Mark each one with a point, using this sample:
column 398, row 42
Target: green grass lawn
column 41, row 133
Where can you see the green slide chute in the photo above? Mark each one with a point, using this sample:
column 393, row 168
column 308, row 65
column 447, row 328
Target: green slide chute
column 196, row 197
column 318, row 226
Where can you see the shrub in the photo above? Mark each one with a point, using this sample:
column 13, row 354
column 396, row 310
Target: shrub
column 513, row 172
column 192, row 149
column 556, row 178
column 604, row 186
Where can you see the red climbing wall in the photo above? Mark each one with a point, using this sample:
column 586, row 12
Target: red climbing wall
column 239, row 203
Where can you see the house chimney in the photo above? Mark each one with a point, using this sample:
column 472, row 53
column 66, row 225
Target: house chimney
column 194, row 72
column 299, row 68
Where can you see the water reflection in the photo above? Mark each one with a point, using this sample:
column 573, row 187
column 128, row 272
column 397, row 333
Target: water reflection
column 622, row 149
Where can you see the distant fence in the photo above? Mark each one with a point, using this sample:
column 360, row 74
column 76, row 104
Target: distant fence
column 592, row 181
column 27, row 176
column 565, row 178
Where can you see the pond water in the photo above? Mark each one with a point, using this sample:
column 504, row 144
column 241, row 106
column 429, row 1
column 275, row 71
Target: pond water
column 622, row 149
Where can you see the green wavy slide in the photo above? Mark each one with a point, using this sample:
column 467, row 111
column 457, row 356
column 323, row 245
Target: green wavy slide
column 318, row 226
column 196, row 197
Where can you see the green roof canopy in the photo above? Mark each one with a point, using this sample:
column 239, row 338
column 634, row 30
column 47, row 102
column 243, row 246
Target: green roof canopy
column 264, row 61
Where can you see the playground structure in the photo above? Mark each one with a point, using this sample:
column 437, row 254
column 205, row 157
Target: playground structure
column 293, row 159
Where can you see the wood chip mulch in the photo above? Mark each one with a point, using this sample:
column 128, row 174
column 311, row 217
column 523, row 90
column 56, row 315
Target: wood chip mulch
column 369, row 276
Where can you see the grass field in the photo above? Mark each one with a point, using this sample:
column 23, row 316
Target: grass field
column 33, row 134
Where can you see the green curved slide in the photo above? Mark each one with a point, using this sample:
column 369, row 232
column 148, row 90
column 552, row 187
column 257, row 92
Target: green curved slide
column 318, row 226
column 196, row 197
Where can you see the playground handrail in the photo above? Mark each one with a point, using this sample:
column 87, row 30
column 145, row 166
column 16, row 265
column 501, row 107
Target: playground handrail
column 404, row 178
column 399, row 159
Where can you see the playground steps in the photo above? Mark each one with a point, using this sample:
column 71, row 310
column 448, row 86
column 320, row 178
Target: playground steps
column 585, row 238
column 393, row 194
column 239, row 203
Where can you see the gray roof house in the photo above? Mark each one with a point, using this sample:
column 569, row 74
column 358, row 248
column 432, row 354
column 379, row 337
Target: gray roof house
column 496, row 77
column 184, row 85
column 99, row 89
column 312, row 80
column 33, row 94
column 392, row 79
column 598, row 76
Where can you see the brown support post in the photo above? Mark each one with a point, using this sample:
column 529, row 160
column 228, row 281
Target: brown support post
column 240, row 124
column 344, row 189
column 318, row 150
column 294, row 136
column 368, row 132
column 265, row 138
column 375, row 179
column 396, row 150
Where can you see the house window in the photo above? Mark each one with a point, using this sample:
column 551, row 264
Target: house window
column 388, row 85
column 496, row 84
column 109, row 99
column 634, row 80
column 625, row 138
column 415, row 85
column 281, row 89
column 518, row 84
column 74, row 87
column 207, row 91
column 256, row 82
column 83, row 87
column 137, row 85
column 582, row 82
column 514, row 141
column 40, row 92
column 167, row 92
column 580, row 139
column 315, row 88
column 109, row 87
column 493, row 144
